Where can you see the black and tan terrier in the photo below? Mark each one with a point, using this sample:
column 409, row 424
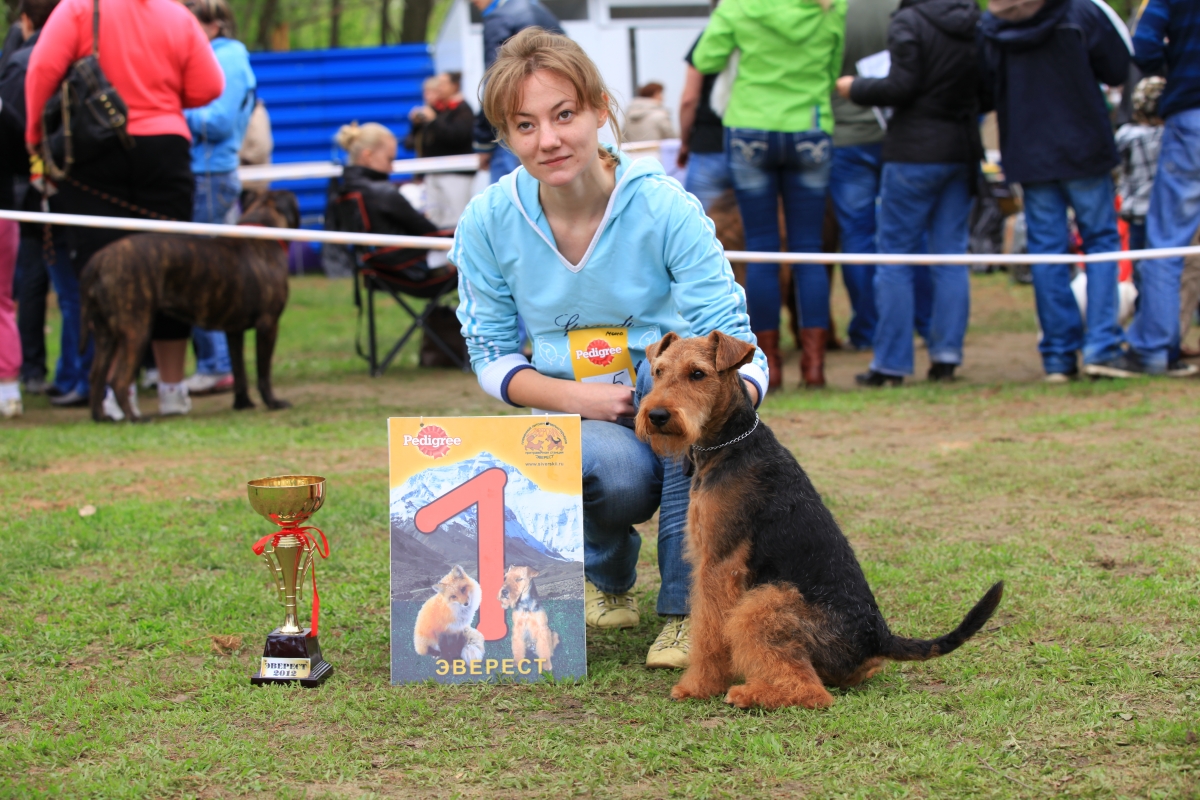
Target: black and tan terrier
column 778, row 597
column 530, row 625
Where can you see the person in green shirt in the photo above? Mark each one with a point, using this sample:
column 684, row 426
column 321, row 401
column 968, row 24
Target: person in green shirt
column 778, row 125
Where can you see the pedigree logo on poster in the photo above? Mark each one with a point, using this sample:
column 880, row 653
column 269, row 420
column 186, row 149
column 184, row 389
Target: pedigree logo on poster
column 486, row 549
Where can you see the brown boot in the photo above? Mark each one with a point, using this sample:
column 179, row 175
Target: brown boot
column 768, row 342
column 812, row 357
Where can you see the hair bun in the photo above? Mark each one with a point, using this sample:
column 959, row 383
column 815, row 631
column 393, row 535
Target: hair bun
column 348, row 135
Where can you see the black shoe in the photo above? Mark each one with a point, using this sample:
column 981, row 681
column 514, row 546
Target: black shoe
column 34, row 386
column 1126, row 365
column 71, row 399
column 873, row 378
column 1181, row 369
column 53, row 391
column 939, row 371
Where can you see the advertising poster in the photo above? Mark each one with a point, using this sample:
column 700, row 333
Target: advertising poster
column 486, row 549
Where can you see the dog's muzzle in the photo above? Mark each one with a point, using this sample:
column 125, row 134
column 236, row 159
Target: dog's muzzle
column 659, row 416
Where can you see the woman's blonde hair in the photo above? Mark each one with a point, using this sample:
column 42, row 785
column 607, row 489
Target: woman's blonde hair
column 534, row 50
column 355, row 138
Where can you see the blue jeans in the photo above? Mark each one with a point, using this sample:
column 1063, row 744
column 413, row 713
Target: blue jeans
column 708, row 176
column 503, row 162
column 1172, row 221
column 766, row 165
column 1046, row 225
column 623, row 483
column 854, row 189
column 216, row 192
column 923, row 206
column 71, row 372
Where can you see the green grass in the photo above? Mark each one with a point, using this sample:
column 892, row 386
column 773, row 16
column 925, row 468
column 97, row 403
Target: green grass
column 1086, row 683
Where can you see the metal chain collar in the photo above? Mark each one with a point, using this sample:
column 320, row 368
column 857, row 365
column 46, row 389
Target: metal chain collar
column 731, row 441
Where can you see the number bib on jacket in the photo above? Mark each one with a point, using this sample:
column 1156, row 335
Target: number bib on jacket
column 601, row 355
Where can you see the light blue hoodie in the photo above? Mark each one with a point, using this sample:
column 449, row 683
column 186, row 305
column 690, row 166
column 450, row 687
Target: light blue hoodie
column 218, row 128
column 654, row 266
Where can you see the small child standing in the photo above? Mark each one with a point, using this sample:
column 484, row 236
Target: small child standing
column 1138, row 143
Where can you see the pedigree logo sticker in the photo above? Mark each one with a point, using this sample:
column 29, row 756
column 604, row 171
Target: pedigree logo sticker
column 599, row 352
column 432, row 441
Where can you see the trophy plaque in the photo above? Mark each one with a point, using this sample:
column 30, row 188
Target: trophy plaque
column 292, row 654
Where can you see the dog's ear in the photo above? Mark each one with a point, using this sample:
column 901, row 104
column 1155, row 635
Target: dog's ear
column 655, row 350
column 533, row 573
column 728, row 352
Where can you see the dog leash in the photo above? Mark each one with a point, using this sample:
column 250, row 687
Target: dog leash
column 731, row 441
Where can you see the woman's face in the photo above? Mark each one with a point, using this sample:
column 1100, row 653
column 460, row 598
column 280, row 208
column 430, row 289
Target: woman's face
column 378, row 158
column 553, row 134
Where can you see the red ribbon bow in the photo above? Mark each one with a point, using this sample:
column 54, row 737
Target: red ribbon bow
column 300, row 534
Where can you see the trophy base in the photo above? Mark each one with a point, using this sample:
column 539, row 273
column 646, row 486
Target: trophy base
column 292, row 646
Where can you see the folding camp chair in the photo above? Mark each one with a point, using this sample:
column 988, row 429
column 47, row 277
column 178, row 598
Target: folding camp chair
column 401, row 280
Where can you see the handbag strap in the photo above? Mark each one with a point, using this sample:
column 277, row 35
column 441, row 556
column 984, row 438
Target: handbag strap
column 96, row 28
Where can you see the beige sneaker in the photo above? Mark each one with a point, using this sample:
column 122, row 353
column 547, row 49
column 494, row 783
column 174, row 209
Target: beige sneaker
column 609, row 610
column 670, row 649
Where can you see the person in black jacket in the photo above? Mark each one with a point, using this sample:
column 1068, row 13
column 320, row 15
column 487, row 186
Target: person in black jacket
column 38, row 265
column 931, row 156
column 503, row 19
column 372, row 148
column 443, row 126
column 1043, row 64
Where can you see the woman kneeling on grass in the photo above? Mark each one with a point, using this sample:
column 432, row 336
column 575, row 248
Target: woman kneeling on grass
column 601, row 256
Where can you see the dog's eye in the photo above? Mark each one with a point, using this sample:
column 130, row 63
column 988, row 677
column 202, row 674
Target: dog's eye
column 658, row 372
column 697, row 375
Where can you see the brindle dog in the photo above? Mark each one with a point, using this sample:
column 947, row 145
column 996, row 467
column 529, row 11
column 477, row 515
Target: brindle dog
column 219, row 284
column 777, row 596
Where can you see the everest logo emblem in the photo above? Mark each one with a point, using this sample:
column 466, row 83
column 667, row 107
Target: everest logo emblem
column 432, row 441
column 599, row 352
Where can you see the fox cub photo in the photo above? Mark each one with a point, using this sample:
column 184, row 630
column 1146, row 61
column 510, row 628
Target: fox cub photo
column 444, row 628
column 530, row 625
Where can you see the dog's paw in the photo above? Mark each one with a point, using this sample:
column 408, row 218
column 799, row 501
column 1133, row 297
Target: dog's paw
column 278, row 405
column 242, row 403
column 685, row 690
column 771, row 697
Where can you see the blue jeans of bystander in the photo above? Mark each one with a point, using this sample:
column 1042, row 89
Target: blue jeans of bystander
column 216, row 192
column 767, row 165
column 922, row 203
column 73, row 368
column 708, row 177
column 1172, row 221
column 624, row 482
column 854, row 189
column 1046, row 223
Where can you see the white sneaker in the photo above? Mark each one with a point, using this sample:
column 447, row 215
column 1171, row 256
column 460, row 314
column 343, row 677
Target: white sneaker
column 173, row 399
column 11, row 407
column 10, row 400
column 113, row 411
column 150, row 379
column 201, row 383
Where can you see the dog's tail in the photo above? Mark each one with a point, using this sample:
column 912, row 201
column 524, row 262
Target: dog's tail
column 900, row 649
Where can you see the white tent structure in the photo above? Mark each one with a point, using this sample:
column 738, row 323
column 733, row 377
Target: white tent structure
column 632, row 42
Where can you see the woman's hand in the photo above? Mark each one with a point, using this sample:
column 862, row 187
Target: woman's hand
column 843, row 85
column 602, row 401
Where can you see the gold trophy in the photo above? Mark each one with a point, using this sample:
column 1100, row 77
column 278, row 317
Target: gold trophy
column 292, row 653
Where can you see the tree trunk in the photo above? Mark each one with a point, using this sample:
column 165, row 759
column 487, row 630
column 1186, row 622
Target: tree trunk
column 266, row 24
column 414, row 26
column 335, row 22
column 385, row 21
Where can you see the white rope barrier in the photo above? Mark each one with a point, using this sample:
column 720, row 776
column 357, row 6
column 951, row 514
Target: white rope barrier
column 438, row 243
column 306, row 170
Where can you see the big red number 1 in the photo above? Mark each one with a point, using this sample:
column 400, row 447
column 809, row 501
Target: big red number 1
column 486, row 490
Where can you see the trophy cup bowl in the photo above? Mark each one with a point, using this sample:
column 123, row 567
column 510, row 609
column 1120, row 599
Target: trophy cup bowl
column 292, row 654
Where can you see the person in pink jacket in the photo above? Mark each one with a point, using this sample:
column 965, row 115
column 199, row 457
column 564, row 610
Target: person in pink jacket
column 158, row 59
